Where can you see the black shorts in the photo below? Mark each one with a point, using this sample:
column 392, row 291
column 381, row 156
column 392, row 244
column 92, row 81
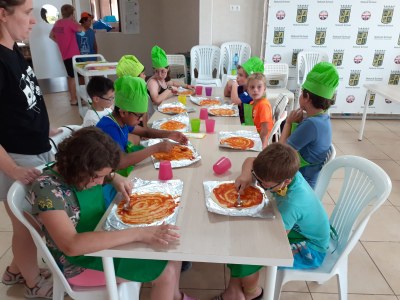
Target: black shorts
column 68, row 67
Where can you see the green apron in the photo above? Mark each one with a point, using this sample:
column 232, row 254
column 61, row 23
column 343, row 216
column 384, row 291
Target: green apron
column 129, row 149
column 92, row 208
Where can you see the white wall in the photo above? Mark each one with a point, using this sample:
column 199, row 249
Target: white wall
column 171, row 24
column 244, row 26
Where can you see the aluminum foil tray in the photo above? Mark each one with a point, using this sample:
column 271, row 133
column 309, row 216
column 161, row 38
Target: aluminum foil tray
column 253, row 135
column 264, row 210
column 186, row 92
column 171, row 187
column 163, row 106
column 176, row 163
column 224, row 106
column 183, row 118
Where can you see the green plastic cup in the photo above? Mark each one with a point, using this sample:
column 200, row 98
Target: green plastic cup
column 195, row 124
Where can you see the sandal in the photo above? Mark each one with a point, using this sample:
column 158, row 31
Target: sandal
column 42, row 289
column 10, row 278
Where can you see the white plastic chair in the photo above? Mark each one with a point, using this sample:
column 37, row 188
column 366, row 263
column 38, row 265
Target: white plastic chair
column 228, row 51
column 205, row 60
column 66, row 131
column 176, row 62
column 18, row 203
column 330, row 155
column 276, row 130
column 279, row 114
column 276, row 72
column 364, row 188
column 306, row 60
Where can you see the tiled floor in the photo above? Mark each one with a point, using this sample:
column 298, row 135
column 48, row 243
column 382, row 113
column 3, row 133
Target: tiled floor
column 374, row 265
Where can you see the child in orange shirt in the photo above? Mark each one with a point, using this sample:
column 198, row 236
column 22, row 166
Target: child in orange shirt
column 262, row 111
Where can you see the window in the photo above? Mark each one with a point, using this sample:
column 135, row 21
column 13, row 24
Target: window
column 103, row 8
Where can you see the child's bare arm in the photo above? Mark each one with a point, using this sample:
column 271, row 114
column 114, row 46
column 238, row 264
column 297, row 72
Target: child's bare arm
column 264, row 134
column 234, row 93
column 245, row 178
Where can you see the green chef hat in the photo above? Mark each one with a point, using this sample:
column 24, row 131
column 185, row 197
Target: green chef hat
column 129, row 65
column 253, row 65
column 131, row 94
column 158, row 58
column 322, row 80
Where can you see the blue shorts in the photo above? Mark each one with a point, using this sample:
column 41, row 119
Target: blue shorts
column 305, row 257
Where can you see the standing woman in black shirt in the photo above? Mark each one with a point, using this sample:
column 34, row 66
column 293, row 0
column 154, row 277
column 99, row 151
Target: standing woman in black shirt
column 24, row 133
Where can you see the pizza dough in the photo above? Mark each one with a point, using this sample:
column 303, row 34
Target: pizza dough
column 225, row 195
column 207, row 102
column 178, row 152
column 221, row 111
column 172, row 125
column 238, row 142
column 146, row 208
column 173, row 110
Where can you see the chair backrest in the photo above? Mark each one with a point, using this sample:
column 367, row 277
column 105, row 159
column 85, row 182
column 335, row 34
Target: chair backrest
column 279, row 107
column 228, row 51
column 306, row 60
column 277, row 75
column 177, row 66
column 276, row 130
column 364, row 189
column 330, row 155
column 66, row 131
column 19, row 203
column 204, row 62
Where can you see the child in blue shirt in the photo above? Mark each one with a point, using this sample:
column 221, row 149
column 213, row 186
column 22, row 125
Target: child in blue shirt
column 276, row 169
column 86, row 39
column 312, row 136
column 237, row 89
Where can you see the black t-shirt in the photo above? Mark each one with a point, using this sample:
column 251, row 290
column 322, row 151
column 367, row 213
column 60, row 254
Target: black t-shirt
column 24, row 123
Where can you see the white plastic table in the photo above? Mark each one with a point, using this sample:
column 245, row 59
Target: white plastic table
column 205, row 236
column 391, row 92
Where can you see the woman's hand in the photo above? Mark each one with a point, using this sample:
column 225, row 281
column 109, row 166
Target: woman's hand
column 178, row 137
column 295, row 116
column 159, row 235
column 122, row 185
column 25, row 175
column 174, row 90
column 190, row 87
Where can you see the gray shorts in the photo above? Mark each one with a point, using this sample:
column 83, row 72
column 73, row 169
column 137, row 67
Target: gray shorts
column 24, row 161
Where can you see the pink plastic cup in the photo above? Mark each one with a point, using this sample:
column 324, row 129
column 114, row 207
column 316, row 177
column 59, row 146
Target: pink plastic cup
column 165, row 171
column 222, row 165
column 210, row 125
column 199, row 90
column 203, row 114
column 208, row 91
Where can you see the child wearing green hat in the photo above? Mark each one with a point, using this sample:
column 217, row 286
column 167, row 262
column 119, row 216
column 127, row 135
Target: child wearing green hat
column 312, row 136
column 237, row 89
column 160, row 85
column 130, row 105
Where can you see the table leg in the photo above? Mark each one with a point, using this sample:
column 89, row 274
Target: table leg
column 269, row 288
column 111, row 282
column 364, row 117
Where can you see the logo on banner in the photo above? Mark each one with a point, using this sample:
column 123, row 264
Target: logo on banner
column 362, row 36
column 276, row 58
column 388, row 101
column 350, row 99
column 354, row 78
column 344, row 14
column 371, row 99
column 323, row 15
column 358, row 59
column 378, row 58
column 279, row 35
column 397, row 60
column 320, row 36
column 280, row 14
column 387, row 14
column 337, row 58
column 394, row 77
column 302, row 11
column 294, row 56
column 366, row 15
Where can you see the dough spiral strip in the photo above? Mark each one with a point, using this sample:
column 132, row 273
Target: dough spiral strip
column 238, row 142
column 226, row 196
